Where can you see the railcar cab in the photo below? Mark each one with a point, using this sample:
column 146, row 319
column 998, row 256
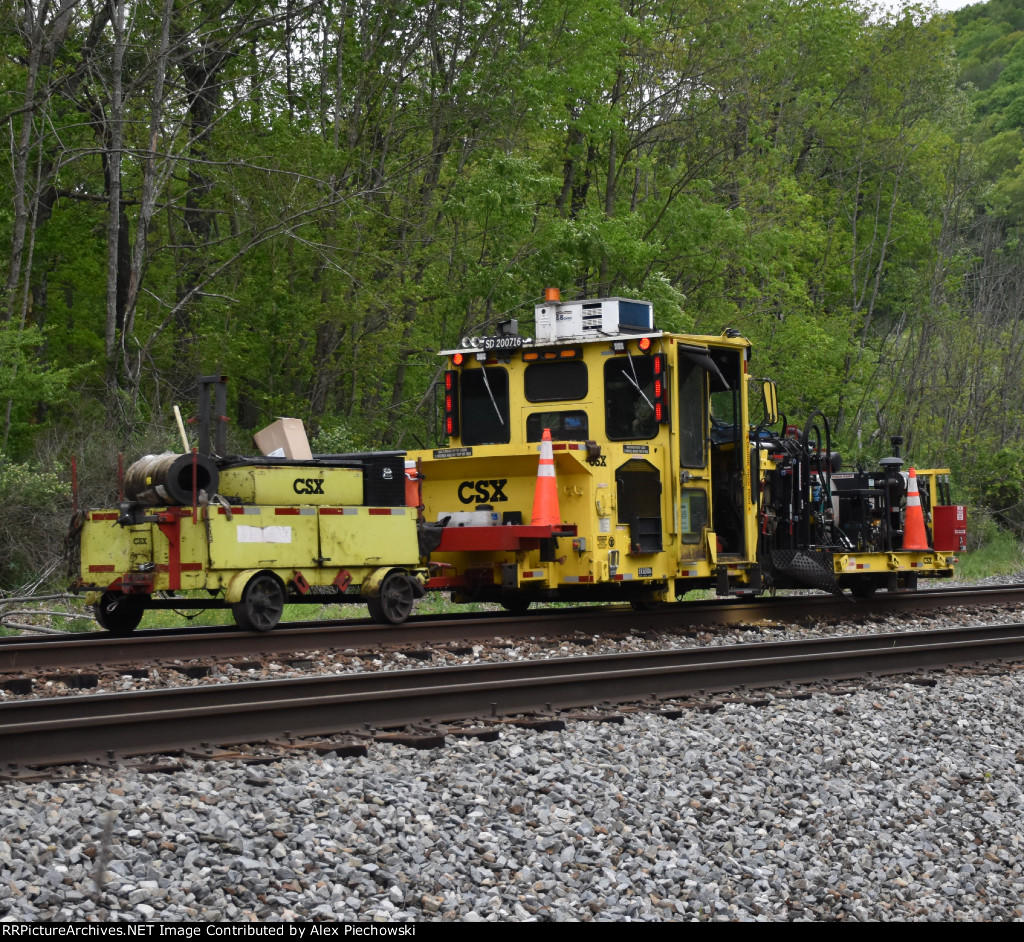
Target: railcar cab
column 649, row 434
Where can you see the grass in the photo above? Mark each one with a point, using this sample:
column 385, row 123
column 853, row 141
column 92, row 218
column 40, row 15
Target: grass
column 72, row 615
column 69, row 616
column 997, row 554
column 183, row 615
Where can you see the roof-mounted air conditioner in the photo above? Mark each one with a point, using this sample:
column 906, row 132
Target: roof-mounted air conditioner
column 591, row 320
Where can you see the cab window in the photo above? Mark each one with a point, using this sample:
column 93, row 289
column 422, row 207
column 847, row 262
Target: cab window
column 726, row 407
column 629, row 398
column 552, row 382
column 485, row 406
column 571, row 426
column 725, row 416
column 692, row 414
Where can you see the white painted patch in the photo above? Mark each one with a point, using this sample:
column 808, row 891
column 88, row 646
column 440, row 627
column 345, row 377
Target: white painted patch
column 264, row 534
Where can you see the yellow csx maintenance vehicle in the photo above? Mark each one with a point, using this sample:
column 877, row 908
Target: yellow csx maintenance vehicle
column 601, row 460
column 252, row 534
column 664, row 480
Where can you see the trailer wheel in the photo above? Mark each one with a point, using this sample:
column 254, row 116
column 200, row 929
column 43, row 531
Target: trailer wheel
column 643, row 605
column 863, row 588
column 394, row 603
column 516, row 603
column 262, row 603
column 120, row 614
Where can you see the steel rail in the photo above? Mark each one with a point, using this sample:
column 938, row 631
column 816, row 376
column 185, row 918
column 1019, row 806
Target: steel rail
column 99, row 649
column 53, row 731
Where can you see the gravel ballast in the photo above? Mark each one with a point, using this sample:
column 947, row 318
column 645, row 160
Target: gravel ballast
column 897, row 801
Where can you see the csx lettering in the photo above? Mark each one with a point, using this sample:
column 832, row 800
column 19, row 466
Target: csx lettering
column 482, row 492
column 308, row 485
column 598, row 462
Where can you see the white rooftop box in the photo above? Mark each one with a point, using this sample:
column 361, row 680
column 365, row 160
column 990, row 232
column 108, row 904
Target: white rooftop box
column 590, row 320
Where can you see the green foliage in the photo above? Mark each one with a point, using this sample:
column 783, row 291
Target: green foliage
column 339, row 439
column 996, row 485
column 338, row 190
column 33, row 502
column 992, row 551
column 25, row 382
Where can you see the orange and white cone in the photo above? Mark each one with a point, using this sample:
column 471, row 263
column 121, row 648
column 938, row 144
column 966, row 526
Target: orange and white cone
column 545, row 496
column 915, row 537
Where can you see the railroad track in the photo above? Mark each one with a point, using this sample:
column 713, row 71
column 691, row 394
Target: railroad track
column 99, row 649
column 107, row 727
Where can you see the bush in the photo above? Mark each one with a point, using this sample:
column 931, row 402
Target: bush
column 339, row 438
column 996, row 487
column 991, row 551
column 35, row 508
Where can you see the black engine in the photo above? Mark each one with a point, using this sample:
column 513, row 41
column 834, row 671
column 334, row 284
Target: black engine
column 811, row 510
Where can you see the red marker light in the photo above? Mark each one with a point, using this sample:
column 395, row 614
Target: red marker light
column 451, row 403
column 457, row 359
column 658, row 368
column 644, row 343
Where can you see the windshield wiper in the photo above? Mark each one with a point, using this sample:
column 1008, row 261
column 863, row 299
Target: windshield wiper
column 634, row 381
column 494, row 403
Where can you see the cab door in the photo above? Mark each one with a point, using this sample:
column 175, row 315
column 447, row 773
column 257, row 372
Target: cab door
column 691, row 452
column 730, row 452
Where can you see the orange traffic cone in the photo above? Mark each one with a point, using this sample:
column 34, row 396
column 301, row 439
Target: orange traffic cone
column 545, row 496
column 915, row 537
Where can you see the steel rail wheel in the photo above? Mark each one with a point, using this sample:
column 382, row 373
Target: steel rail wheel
column 262, row 603
column 394, row 604
column 516, row 603
column 120, row 614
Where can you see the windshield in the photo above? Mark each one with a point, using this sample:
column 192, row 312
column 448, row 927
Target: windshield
column 629, row 398
column 485, row 406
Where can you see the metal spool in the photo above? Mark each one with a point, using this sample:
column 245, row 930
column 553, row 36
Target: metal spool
column 163, row 480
